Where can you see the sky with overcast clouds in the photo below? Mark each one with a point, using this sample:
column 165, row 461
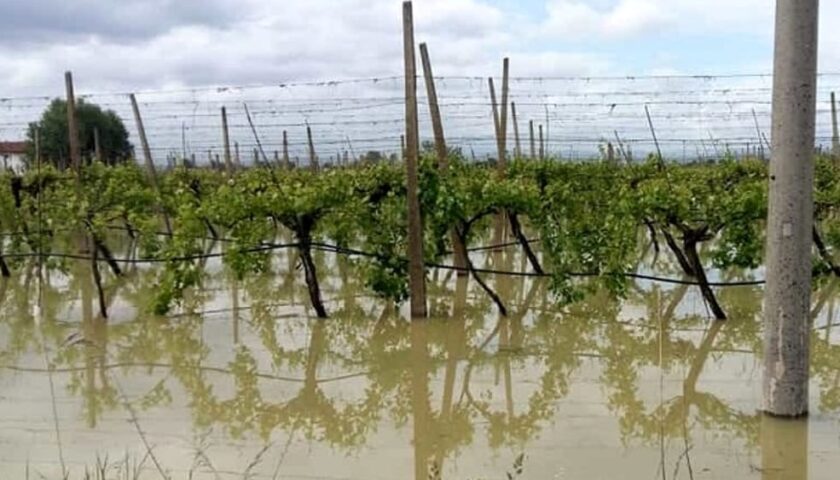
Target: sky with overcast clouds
column 116, row 44
column 143, row 45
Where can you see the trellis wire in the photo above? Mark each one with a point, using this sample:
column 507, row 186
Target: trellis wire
column 697, row 116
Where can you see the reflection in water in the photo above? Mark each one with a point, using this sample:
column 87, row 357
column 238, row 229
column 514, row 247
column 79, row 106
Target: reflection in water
column 604, row 388
column 420, row 410
column 784, row 449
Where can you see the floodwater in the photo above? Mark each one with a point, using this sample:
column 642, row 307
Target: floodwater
column 244, row 382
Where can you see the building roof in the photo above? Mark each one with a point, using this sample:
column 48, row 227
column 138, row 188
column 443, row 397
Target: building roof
column 12, row 148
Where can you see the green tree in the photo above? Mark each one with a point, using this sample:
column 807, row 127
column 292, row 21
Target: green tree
column 55, row 144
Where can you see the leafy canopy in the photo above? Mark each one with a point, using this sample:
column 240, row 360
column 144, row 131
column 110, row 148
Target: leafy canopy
column 55, row 143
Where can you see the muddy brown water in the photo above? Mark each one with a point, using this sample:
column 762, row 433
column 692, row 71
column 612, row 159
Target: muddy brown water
column 243, row 382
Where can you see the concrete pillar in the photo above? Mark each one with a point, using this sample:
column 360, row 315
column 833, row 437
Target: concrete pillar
column 790, row 223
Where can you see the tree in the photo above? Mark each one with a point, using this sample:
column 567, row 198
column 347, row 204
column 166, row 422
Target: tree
column 55, row 145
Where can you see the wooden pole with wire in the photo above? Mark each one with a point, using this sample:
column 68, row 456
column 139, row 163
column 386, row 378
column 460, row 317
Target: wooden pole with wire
column 835, row 128
column 533, row 140
column 72, row 125
column 97, row 146
column 286, row 161
column 147, row 156
column 416, row 267
column 313, row 157
column 503, row 119
column 441, row 148
column 517, row 152
column 226, row 140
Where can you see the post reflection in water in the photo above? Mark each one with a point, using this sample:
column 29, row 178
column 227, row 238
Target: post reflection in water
column 784, row 449
column 421, row 415
column 606, row 387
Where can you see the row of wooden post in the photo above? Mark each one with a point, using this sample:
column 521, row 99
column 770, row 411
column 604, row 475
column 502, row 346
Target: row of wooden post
column 410, row 152
column 75, row 144
column 790, row 220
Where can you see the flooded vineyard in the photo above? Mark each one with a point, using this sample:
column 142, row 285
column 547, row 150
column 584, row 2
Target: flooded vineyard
column 243, row 381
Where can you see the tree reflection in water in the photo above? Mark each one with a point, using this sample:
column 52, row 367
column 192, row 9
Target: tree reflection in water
column 466, row 378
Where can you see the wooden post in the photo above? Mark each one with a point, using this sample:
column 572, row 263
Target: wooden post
column 495, row 110
column 286, row 162
column 416, row 267
column 835, row 128
column 72, row 126
column 533, row 140
column 441, row 149
column 38, row 148
column 254, row 131
column 791, row 217
column 236, row 156
column 352, row 151
column 313, row 158
column 421, row 415
column 226, row 140
column 542, row 144
column 546, row 147
column 97, row 146
column 758, row 134
column 147, row 155
column 256, row 158
column 183, row 143
column 517, row 153
column 660, row 159
column 500, row 121
column 503, row 121
column 434, row 108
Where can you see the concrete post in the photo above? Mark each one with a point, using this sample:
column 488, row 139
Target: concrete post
column 791, row 216
column 784, row 448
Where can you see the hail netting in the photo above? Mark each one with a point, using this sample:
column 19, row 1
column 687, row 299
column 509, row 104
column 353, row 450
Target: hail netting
column 695, row 117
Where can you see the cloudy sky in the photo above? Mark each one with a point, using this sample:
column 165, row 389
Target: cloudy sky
column 170, row 50
column 117, row 44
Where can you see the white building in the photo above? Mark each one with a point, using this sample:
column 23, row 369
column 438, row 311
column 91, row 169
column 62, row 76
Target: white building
column 12, row 154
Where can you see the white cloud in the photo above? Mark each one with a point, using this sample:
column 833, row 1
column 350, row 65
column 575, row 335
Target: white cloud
column 633, row 17
column 554, row 64
column 277, row 41
column 594, row 19
column 576, row 18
